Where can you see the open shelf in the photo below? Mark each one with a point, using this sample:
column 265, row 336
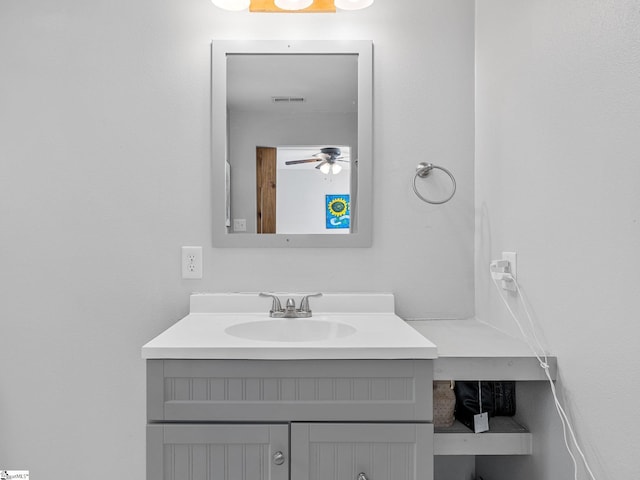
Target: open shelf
column 505, row 437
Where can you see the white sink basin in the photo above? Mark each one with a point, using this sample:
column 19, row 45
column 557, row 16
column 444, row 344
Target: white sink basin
column 237, row 326
column 290, row 330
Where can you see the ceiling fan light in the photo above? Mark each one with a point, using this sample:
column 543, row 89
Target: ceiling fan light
column 353, row 4
column 233, row 5
column 325, row 167
column 335, row 168
column 293, row 4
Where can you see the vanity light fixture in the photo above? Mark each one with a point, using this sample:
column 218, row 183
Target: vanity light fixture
column 352, row 4
column 232, row 5
column 292, row 6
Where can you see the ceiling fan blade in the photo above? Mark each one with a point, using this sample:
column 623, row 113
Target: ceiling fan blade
column 306, row 160
column 321, row 164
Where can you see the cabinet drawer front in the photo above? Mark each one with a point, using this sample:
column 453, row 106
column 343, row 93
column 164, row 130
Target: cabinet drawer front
column 379, row 451
column 305, row 390
column 225, row 452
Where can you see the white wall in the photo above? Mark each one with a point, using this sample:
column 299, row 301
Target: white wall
column 557, row 116
column 105, row 173
column 301, row 201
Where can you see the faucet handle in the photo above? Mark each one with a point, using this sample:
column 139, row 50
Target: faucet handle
column 291, row 305
column 304, row 303
column 275, row 305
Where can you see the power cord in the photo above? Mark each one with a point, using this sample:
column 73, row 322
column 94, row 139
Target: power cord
column 501, row 272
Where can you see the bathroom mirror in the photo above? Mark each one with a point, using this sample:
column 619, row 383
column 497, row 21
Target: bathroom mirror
column 292, row 143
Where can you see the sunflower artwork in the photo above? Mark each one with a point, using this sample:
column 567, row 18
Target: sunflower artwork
column 338, row 211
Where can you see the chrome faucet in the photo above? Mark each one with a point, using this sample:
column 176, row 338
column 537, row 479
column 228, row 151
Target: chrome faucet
column 290, row 310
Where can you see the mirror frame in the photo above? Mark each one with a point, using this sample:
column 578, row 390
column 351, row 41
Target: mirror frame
column 361, row 208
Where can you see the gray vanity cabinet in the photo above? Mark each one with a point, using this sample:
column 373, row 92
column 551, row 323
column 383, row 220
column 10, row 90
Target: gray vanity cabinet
column 339, row 451
column 289, row 420
column 217, row 452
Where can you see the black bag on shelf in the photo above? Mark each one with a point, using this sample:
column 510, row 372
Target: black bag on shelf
column 498, row 399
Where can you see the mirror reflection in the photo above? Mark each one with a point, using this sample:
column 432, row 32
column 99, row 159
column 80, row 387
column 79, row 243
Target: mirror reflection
column 292, row 143
column 303, row 189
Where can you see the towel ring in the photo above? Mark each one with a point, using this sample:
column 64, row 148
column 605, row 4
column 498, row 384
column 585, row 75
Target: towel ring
column 423, row 170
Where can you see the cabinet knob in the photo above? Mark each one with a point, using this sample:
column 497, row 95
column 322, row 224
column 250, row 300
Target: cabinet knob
column 362, row 476
column 278, row 458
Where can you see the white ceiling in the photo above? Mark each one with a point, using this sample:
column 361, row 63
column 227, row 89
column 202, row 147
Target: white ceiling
column 327, row 82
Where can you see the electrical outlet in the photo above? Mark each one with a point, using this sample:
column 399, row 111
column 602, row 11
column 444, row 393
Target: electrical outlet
column 239, row 225
column 191, row 262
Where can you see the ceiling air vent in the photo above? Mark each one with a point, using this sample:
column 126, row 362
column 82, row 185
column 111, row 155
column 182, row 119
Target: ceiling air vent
column 287, row 99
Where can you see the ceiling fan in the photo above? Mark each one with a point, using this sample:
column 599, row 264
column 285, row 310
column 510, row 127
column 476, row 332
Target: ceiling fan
column 327, row 157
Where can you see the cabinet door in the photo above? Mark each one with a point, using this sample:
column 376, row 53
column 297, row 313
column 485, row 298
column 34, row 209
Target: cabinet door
column 217, row 452
column 340, row 451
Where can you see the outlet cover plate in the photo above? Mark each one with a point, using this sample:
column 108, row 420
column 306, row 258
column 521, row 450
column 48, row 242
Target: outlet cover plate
column 192, row 262
column 239, row 224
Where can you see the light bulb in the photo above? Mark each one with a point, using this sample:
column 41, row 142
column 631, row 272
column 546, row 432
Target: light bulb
column 353, row 4
column 233, row 5
column 325, row 167
column 293, row 4
column 335, row 168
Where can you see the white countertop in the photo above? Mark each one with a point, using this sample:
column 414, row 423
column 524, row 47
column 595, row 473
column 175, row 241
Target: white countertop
column 466, row 349
column 471, row 349
column 380, row 334
column 470, row 338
